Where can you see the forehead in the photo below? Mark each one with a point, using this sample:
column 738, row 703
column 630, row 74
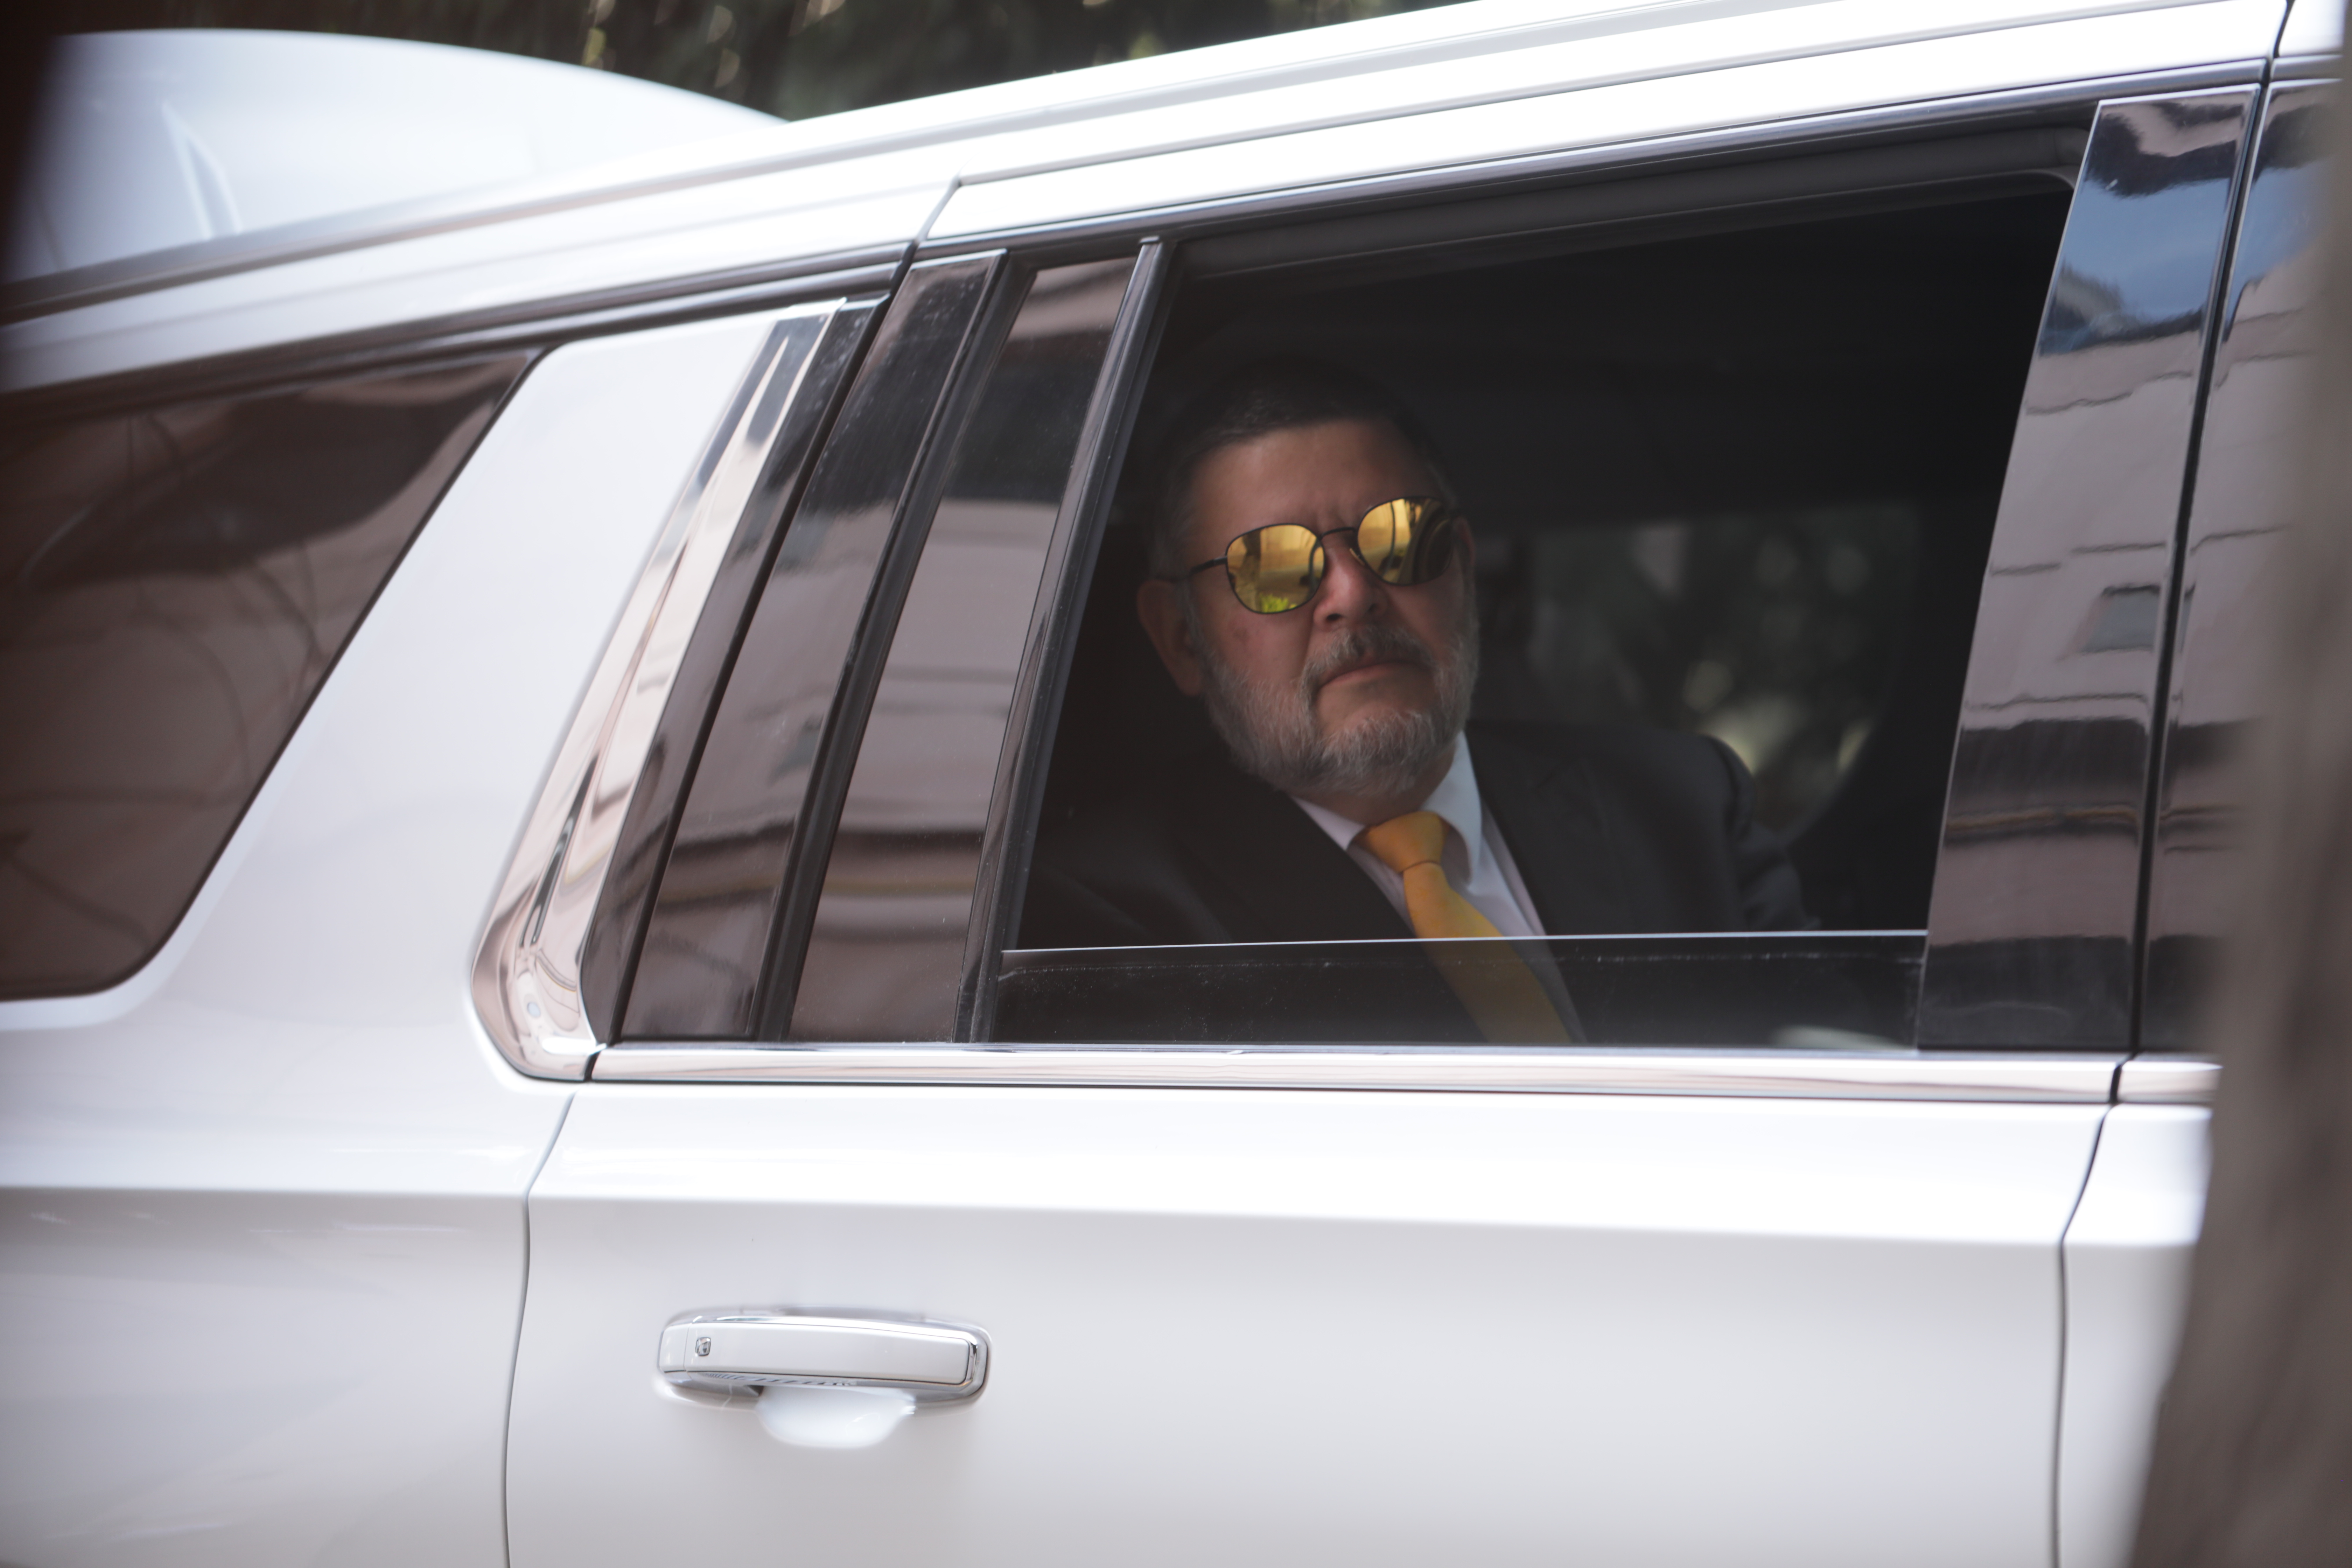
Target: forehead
column 1327, row 474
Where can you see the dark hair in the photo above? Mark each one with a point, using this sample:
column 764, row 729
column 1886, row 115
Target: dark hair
column 1257, row 400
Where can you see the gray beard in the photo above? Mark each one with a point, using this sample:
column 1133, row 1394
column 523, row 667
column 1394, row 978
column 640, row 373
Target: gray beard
column 1274, row 734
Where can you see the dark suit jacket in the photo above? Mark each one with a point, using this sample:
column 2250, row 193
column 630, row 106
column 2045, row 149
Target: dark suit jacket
column 1614, row 831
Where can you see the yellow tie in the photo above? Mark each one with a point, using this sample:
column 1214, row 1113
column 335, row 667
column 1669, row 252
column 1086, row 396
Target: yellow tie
column 1502, row 994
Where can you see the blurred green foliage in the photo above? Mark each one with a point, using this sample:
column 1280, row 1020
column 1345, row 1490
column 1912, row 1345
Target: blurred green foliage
column 792, row 58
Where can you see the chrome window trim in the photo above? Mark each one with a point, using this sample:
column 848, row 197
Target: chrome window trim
column 2016, row 1078
column 2168, row 1080
column 526, row 979
column 1613, row 160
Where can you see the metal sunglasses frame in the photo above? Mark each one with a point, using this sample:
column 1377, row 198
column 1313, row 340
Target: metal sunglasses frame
column 1446, row 516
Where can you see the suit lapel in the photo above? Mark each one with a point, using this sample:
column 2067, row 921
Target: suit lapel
column 1280, row 877
column 1551, row 818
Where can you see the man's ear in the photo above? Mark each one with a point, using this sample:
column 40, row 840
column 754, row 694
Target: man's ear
column 1162, row 614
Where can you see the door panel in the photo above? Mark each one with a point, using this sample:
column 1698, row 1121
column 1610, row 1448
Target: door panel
column 1260, row 1326
column 1250, row 1326
column 2127, row 1255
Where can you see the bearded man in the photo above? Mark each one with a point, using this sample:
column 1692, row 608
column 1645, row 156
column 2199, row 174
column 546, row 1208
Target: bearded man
column 1312, row 585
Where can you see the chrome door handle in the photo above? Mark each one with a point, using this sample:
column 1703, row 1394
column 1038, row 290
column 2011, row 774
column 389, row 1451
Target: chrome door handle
column 736, row 1350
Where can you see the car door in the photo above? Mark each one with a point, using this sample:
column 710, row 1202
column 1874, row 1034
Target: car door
column 1030, row 1263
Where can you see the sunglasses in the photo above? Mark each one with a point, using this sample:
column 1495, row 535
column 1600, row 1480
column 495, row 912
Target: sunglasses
column 1403, row 543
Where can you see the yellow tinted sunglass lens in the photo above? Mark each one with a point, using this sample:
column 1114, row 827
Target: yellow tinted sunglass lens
column 1275, row 568
column 1404, row 542
column 1386, row 537
column 1417, row 537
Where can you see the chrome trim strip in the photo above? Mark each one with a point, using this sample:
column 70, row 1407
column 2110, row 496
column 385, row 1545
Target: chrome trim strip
column 2071, row 1081
column 527, row 971
column 2168, row 1080
column 1611, row 159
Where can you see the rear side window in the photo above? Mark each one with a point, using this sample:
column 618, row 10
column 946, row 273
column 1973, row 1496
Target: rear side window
column 886, row 951
column 1730, row 496
column 175, row 584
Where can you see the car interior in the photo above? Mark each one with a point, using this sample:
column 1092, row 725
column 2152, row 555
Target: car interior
column 1738, row 481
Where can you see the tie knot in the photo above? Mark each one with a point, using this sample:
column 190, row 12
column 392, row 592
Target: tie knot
column 1418, row 838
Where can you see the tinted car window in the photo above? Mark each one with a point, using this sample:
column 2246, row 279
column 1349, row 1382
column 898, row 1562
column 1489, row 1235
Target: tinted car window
column 886, row 955
column 770, row 774
column 175, row 584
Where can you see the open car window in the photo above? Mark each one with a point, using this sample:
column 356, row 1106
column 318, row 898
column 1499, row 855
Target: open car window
column 1731, row 497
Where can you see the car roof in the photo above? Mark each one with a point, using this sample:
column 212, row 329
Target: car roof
column 156, row 140
column 1454, row 87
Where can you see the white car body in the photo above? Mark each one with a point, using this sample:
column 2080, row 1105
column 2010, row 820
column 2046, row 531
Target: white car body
column 302, row 1268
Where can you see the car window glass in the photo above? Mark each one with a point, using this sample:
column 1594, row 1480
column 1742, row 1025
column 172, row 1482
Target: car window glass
column 771, row 769
column 886, row 953
column 1731, row 497
column 785, row 404
column 175, row 584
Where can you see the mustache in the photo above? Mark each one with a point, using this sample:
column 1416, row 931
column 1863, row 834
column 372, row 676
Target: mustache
column 1364, row 645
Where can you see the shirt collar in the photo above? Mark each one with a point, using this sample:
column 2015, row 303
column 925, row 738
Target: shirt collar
column 1455, row 799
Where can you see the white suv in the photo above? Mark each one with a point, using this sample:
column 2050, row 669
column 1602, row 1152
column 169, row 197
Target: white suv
column 530, row 709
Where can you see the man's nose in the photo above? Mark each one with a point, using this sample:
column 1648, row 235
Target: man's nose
column 1351, row 592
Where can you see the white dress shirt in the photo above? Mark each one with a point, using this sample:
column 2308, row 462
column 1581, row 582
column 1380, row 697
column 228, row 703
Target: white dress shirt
column 1477, row 860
